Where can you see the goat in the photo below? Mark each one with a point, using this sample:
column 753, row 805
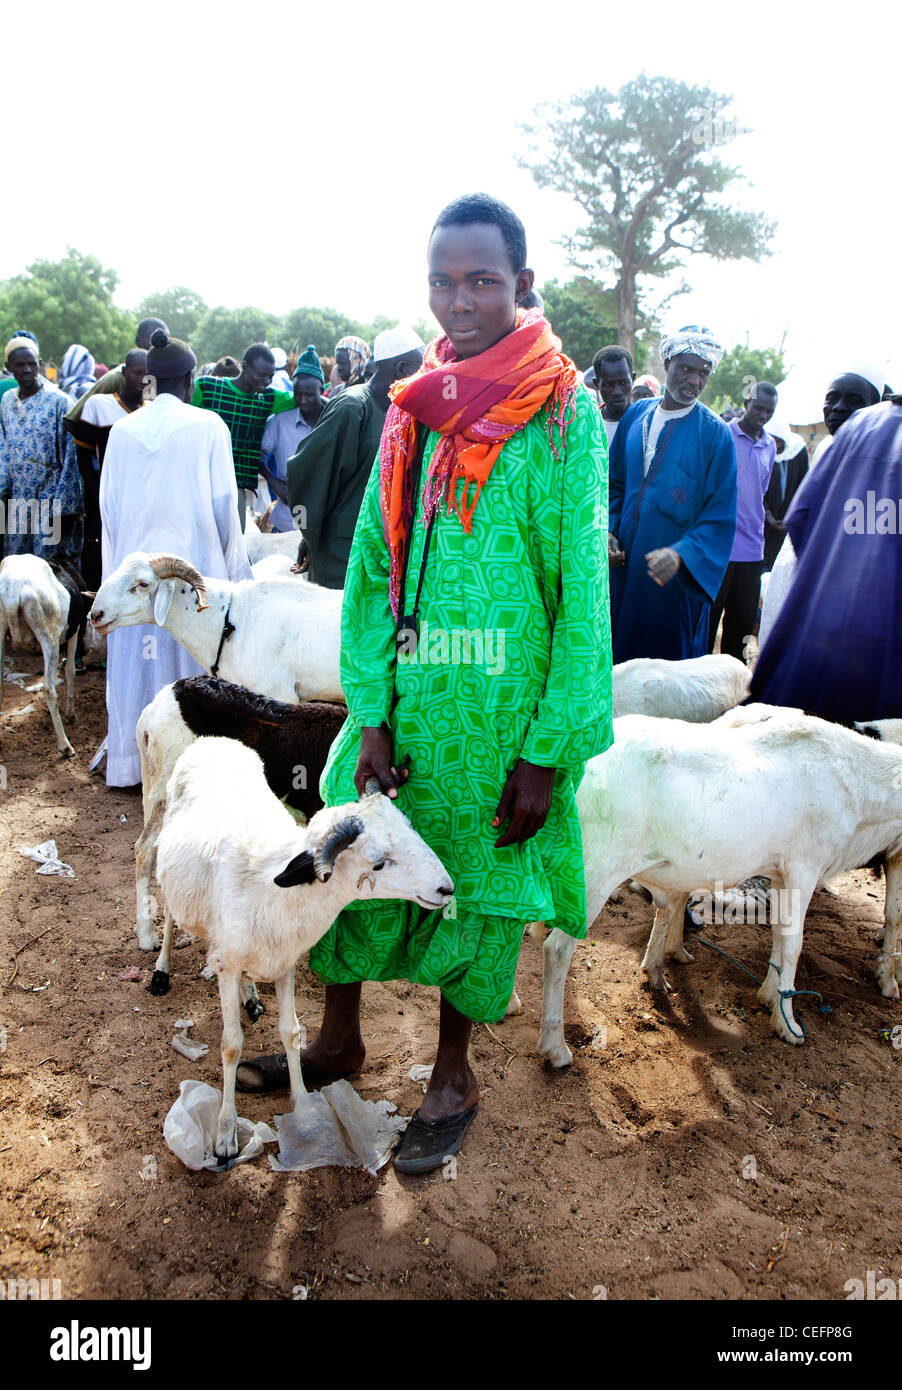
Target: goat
column 698, row 689
column 292, row 740
column 680, row 807
column 260, row 890
column 274, row 635
column 260, row 541
column 42, row 605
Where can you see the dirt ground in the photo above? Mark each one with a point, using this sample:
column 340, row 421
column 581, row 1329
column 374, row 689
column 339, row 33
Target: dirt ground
column 686, row 1154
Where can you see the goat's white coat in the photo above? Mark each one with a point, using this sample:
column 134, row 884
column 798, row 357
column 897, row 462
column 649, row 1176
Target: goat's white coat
column 680, row 807
column 286, row 639
column 698, row 689
column 34, row 609
column 225, row 837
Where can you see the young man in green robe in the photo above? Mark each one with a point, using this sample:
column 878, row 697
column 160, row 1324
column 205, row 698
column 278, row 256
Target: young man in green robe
column 495, row 682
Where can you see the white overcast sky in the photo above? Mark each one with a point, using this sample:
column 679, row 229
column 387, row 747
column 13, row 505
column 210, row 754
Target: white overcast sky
column 281, row 155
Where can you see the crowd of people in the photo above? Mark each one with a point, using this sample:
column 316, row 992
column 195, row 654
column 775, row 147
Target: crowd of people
column 483, row 483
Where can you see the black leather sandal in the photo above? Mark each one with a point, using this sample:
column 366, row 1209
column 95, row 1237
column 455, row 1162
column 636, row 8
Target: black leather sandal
column 426, row 1144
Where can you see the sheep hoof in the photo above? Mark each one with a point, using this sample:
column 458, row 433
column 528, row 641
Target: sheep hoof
column 889, row 987
column 558, row 1054
column 254, row 1008
column 787, row 1029
column 658, row 982
column 159, row 983
column 148, row 941
column 68, row 751
column 514, row 1005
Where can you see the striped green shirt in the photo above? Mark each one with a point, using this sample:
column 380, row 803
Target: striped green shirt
column 246, row 417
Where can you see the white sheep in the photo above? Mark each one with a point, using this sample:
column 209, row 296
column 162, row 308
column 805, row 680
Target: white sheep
column 237, row 870
column 261, row 542
column 681, row 807
column 41, row 607
column 276, row 636
column 698, row 689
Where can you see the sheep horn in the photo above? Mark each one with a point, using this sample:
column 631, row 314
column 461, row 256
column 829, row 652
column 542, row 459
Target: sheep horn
column 372, row 787
column 174, row 567
column 265, row 522
column 339, row 838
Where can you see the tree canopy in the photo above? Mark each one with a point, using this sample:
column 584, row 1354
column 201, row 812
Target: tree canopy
column 584, row 317
column 223, row 331
column 65, row 302
column 737, row 373
column 180, row 309
column 640, row 164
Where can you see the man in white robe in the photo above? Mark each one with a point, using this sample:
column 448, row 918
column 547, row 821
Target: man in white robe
column 168, row 485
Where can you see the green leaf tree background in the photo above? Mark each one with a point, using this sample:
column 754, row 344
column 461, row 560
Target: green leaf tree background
column 65, row 302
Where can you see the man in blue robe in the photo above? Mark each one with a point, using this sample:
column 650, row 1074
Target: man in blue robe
column 834, row 648
column 672, row 509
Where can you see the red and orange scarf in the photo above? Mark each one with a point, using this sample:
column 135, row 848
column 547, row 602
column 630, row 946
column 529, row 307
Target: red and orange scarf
column 476, row 404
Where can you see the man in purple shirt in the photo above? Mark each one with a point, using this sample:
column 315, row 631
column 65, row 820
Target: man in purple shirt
column 737, row 600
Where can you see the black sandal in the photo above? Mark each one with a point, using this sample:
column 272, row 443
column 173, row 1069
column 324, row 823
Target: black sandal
column 273, row 1069
column 426, row 1144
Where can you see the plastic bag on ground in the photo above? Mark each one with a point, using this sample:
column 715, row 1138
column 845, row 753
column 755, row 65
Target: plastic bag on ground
column 190, row 1128
column 335, row 1126
column 46, row 857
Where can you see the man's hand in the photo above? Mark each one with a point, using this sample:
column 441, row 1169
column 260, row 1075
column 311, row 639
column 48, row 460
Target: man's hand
column 375, row 760
column 772, row 521
column 527, row 800
column 662, row 565
column 616, row 553
column 302, row 563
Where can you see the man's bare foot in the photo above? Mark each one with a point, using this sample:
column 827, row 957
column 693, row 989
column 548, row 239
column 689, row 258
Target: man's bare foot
column 449, row 1093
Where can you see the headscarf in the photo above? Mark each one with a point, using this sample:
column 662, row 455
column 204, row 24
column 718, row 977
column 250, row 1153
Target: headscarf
column 309, row 365
column 76, row 371
column 692, row 338
column 494, row 395
column 650, row 381
column 20, row 340
column 358, row 349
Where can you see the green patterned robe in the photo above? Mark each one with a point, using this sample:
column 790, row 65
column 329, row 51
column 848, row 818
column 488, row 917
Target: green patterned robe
column 513, row 661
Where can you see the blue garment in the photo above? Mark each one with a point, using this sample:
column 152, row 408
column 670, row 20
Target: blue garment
column 687, row 502
column 834, row 647
column 39, row 478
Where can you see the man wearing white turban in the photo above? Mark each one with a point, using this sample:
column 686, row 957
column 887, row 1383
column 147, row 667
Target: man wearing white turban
column 672, row 508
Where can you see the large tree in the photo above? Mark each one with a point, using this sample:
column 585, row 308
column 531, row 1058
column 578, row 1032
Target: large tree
column 737, row 374
column 641, row 164
column 229, row 332
column 65, row 302
column 584, row 317
column 180, row 309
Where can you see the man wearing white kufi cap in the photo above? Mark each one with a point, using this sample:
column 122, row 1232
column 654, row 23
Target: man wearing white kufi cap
column 328, row 475
column 672, row 508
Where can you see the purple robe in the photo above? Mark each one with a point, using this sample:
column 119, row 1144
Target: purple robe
column 834, row 649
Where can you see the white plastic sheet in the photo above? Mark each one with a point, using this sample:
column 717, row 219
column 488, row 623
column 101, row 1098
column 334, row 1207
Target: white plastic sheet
column 46, row 857
column 335, row 1126
column 190, row 1128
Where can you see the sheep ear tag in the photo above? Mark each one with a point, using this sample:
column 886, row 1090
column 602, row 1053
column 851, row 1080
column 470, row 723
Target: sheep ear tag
column 300, row 870
column 163, row 601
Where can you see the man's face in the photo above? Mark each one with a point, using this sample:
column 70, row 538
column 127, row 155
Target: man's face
column 844, row 396
column 641, row 393
column 686, row 377
column 759, row 408
column 473, row 289
column 343, row 363
column 258, row 374
column 24, row 366
column 614, row 385
column 134, row 373
column 308, row 394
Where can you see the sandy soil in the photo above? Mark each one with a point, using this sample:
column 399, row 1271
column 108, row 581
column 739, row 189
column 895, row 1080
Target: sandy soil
column 633, row 1171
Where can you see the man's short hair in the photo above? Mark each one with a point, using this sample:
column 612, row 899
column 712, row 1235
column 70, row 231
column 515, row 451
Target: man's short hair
column 146, row 329
column 612, row 353
column 260, row 351
column 481, row 208
column 763, row 388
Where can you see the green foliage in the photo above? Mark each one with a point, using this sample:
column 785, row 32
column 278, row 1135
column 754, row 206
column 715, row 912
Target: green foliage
column 224, row 331
column 65, row 302
column 737, row 373
column 584, row 317
column 180, row 309
column 321, row 327
column 640, row 164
